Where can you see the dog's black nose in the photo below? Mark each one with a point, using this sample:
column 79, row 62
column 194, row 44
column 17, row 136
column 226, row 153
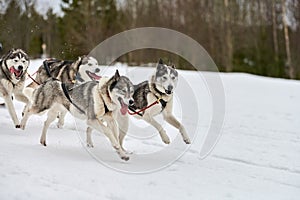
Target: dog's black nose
column 20, row 67
column 131, row 102
column 170, row 88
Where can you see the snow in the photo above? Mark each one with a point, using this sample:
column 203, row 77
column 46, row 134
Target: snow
column 257, row 156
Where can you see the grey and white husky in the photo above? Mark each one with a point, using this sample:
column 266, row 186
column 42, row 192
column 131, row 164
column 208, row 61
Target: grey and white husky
column 85, row 68
column 12, row 79
column 160, row 88
column 99, row 103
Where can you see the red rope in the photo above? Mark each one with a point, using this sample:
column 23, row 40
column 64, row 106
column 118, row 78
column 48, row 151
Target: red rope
column 33, row 78
column 143, row 109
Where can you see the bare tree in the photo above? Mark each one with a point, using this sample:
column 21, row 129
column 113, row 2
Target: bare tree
column 228, row 56
column 274, row 28
column 287, row 40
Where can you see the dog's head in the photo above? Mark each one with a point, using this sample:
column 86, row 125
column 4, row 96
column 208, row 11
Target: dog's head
column 165, row 78
column 17, row 62
column 121, row 91
column 89, row 69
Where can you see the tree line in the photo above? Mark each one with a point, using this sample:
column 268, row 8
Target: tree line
column 260, row 37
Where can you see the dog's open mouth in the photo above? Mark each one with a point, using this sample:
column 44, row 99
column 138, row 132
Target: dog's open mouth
column 18, row 73
column 124, row 107
column 93, row 76
column 168, row 92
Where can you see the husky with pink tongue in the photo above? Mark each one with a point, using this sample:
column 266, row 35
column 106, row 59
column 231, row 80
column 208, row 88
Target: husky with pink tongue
column 99, row 103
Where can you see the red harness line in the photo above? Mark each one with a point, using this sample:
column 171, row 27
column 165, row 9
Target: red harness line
column 30, row 76
column 143, row 109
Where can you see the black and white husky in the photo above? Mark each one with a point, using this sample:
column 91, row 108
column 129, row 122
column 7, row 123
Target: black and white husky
column 160, row 88
column 13, row 68
column 99, row 103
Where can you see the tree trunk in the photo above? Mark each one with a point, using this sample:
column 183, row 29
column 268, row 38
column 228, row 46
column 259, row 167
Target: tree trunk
column 275, row 38
column 228, row 39
column 289, row 66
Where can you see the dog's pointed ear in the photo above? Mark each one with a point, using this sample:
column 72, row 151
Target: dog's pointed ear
column 117, row 75
column 6, row 56
column 160, row 61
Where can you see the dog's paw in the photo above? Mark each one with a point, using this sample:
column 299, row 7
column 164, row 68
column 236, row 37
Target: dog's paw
column 60, row 125
column 90, row 145
column 20, row 126
column 126, row 158
column 166, row 139
column 187, row 140
column 43, row 142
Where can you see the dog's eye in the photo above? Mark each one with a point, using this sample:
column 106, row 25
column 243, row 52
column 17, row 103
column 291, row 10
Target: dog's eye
column 90, row 64
column 23, row 61
column 164, row 78
column 173, row 78
column 15, row 60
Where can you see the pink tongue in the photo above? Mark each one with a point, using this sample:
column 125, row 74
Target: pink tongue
column 96, row 77
column 12, row 70
column 123, row 109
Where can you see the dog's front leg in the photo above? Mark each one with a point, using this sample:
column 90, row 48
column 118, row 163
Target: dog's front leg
column 11, row 110
column 148, row 118
column 123, row 125
column 174, row 122
column 99, row 126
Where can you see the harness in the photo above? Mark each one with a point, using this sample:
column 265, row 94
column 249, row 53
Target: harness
column 66, row 93
column 159, row 100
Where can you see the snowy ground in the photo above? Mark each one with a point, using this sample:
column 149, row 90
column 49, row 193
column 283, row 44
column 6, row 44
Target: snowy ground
column 257, row 156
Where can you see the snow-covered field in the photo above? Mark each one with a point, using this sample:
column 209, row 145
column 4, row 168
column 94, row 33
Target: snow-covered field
column 257, row 156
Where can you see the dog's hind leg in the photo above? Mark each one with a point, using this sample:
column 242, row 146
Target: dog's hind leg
column 61, row 119
column 52, row 113
column 89, row 141
column 148, row 118
column 99, row 126
column 28, row 112
column 21, row 97
column 169, row 117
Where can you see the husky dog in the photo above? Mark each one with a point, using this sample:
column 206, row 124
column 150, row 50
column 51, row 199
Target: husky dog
column 96, row 102
column 160, row 88
column 84, row 69
column 12, row 79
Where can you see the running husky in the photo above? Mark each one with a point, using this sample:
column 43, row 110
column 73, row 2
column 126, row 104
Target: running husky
column 96, row 102
column 160, row 88
column 12, row 79
column 85, row 68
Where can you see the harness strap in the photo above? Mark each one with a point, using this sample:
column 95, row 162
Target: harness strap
column 65, row 90
column 163, row 103
column 106, row 108
column 143, row 109
column 32, row 78
column 45, row 64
